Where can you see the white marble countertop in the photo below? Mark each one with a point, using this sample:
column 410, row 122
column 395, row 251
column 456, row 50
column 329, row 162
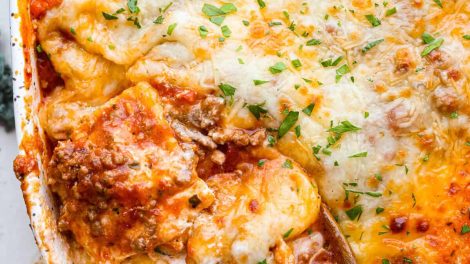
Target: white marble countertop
column 16, row 240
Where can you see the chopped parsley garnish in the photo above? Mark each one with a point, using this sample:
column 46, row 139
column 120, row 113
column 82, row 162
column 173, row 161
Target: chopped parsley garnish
column 228, row 8
column 313, row 42
column 467, row 37
column 330, row 62
column 297, row 130
column 454, row 115
column 366, row 114
column 427, row 38
column 414, row 199
column 385, row 261
column 271, row 141
column 109, row 16
column 261, row 4
column 296, row 63
column 227, row 89
column 72, row 30
column 287, row 164
column 438, row 2
column 465, row 229
column 240, row 61
column 217, row 15
column 359, row 155
column 286, row 14
column 274, row 23
column 226, row 31
column 308, row 110
column 158, row 20
column 407, row 260
column 261, row 163
column 288, row 123
column 277, row 68
column 341, row 71
column 203, row 31
column 379, row 210
column 259, row 82
column 374, row 21
column 343, row 127
column 263, row 262
column 246, row 23
column 372, row 44
column 171, row 28
column 390, row 11
column 432, row 46
column 426, row 158
column 287, row 234
column 378, row 176
column 354, row 213
column 132, row 5
column 39, row 48
column 257, row 110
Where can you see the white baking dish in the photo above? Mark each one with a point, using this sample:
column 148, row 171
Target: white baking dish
column 38, row 201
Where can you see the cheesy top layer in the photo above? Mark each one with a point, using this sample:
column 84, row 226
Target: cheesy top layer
column 371, row 97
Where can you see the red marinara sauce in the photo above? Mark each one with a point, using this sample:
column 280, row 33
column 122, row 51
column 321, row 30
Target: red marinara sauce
column 39, row 7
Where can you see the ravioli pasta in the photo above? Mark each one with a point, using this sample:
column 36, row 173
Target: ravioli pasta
column 197, row 131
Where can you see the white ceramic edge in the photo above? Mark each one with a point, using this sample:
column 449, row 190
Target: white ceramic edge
column 35, row 193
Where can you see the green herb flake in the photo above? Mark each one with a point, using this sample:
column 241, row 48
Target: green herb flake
column 465, row 229
column 271, row 141
column 372, row 44
column 259, row 82
column 261, row 163
column 379, row 210
column 407, row 260
column 287, row 164
column 277, row 68
column 391, row 11
column 378, row 176
column 240, row 61
column 385, row 261
column 354, row 213
column 366, row 114
column 171, row 28
column 38, row 49
column 227, row 89
column 288, row 123
column 313, row 42
column 72, row 30
column 432, row 46
column 261, row 4
column 454, row 115
column 203, row 31
column 246, row 23
column 427, row 38
column 426, row 158
column 308, row 110
column 132, row 5
column 194, row 201
column 374, row 21
column 257, row 110
column 228, row 8
column 467, row 37
column 297, row 130
column 438, row 2
column 373, row 194
column 226, row 32
column 109, row 16
column 263, row 262
column 296, row 63
column 287, row 234
column 159, row 20
column 359, row 155
column 343, row 127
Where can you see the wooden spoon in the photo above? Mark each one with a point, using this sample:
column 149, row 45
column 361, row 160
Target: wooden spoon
column 336, row 242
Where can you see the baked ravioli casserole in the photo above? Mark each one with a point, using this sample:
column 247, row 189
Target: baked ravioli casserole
column 204, row 131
